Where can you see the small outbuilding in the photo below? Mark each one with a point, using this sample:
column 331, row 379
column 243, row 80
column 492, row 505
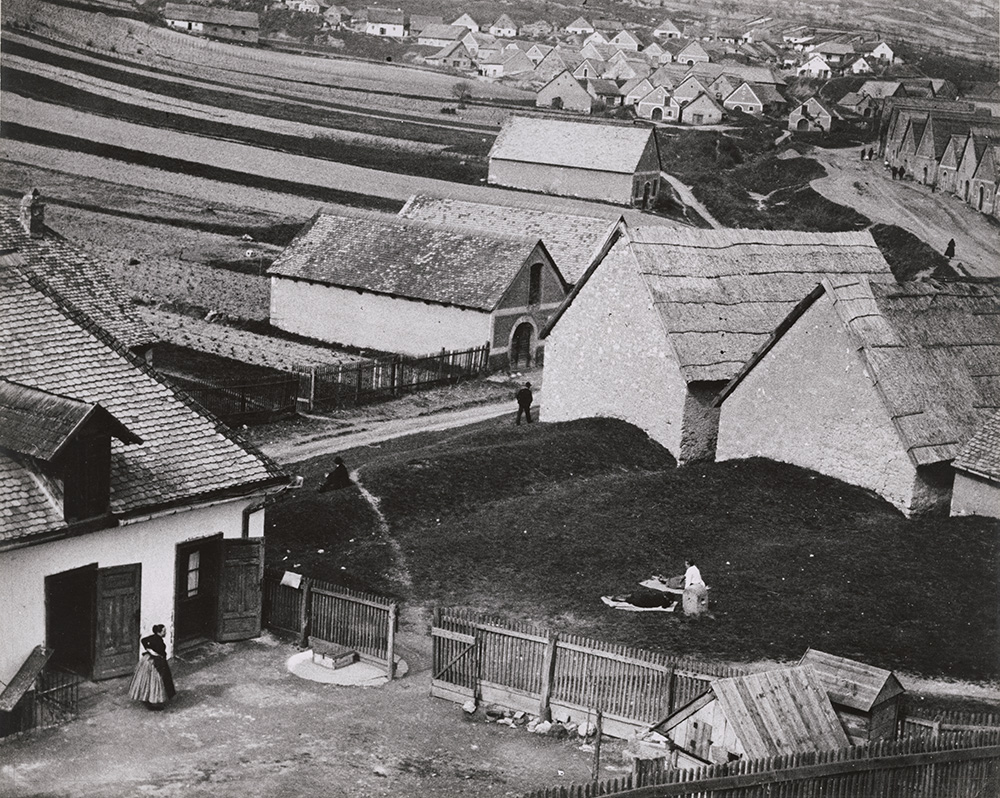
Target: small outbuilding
column 610, row 163
column 398, row 285
column 215, row 23
column 761, row 715
column 867, row 700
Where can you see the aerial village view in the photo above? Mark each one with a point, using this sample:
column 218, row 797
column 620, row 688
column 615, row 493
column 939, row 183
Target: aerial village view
column 500, row 398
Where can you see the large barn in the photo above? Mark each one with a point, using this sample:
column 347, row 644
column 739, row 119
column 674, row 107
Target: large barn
column 399, row 285
column 610, row 163
column 666, row 317
column 877, row 384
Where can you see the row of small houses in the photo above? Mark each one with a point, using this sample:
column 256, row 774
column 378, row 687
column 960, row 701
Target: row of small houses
column 952, row 147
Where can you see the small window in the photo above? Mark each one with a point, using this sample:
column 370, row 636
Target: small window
column 193, row 573
column 535, row 284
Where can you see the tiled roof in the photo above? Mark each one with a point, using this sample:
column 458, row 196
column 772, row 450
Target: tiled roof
column 77, row 276
column 933, row 353
column 981, row 455
column 213, row 16
column 406, row 258
column 572, row 241
column 721, row 293
column 386, row 16
column 185, row 456
column 606, row 148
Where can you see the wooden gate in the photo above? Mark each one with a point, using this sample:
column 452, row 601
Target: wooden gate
column 240, row 589
column 116, row 646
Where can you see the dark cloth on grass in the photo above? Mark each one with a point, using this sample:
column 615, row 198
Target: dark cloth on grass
column 949, row 251
column 652, row 598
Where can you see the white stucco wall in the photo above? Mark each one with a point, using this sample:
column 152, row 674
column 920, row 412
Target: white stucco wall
column 563, row 181
column 376, row 321
column 151, row 543
column 810, row 402
column 608, row 356
column 973, row 495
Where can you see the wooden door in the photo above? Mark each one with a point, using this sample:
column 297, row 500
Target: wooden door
column 196, row 592
column 119, row 597
column 240, row 589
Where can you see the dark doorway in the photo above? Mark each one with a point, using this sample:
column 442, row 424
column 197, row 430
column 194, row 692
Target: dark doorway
column 196, row 590
column 69, row 619
column 657, row 114
column 521, row 346
column 802, row 124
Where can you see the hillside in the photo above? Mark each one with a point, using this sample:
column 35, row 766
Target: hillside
column 539, row 522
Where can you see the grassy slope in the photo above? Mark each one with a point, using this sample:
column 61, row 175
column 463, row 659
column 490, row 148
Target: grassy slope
column 540, row 522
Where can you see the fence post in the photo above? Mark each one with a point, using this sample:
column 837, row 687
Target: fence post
column 357, row 391
column 391, row 645
column 548, row 677
column 305, row 612
column 595, row 773
column 312, row 388
column 392, row 375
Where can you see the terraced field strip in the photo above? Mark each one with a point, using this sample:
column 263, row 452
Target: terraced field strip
column 24, row 71
column 242, row 63
column 360, row 153
column 262, row 101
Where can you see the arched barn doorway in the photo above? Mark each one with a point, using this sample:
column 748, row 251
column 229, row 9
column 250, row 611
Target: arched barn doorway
column 802, row 124
column 522, row 346
column 657, row 114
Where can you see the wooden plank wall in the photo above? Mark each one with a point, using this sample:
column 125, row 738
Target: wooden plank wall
column 527, row 668
column 967, row 766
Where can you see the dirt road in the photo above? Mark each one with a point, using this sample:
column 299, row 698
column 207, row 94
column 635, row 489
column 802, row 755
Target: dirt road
column 934, row 218
column 242, row 725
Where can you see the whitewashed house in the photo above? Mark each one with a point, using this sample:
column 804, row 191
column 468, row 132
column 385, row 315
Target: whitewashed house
column 877, row 384
column 580, row 26
column 611, row 163
column 667, row 30
column 666, row 317
column 815, row 67
column 399, row 285
column 565, row 93
column 503, row 27
column 466, row 21
column 122, row 505
column 386, row 22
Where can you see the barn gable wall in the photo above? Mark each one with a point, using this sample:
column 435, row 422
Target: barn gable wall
column 609, row 356
column 810, row 402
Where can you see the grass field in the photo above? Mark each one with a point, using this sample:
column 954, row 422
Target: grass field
column 538, row 522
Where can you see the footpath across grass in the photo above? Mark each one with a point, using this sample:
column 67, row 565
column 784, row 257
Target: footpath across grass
column 538, row 522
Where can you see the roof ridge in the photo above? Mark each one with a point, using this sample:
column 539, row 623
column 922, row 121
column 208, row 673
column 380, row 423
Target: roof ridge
column 466, row 232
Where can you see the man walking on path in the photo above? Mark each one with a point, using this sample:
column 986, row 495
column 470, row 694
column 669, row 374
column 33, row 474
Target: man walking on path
column 524, row 400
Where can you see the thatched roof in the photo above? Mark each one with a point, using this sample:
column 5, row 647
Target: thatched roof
column 720, row 293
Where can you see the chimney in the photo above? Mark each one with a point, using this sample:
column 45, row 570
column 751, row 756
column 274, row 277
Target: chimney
column 32, row 214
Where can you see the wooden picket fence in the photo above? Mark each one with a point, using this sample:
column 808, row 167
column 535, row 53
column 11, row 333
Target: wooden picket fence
column 362, row 622
column 527, row 668
column 966, row 766
column 920, row 723
column 350, row 384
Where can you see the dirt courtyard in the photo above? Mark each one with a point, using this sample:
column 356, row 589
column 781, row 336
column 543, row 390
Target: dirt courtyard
column 241, row 725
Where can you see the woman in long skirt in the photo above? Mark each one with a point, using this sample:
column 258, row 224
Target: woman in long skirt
column 152, row 683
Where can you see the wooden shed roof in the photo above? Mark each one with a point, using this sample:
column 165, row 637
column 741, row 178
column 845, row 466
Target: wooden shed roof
column 851, row 683
column 780, row 712
column 981, row 455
